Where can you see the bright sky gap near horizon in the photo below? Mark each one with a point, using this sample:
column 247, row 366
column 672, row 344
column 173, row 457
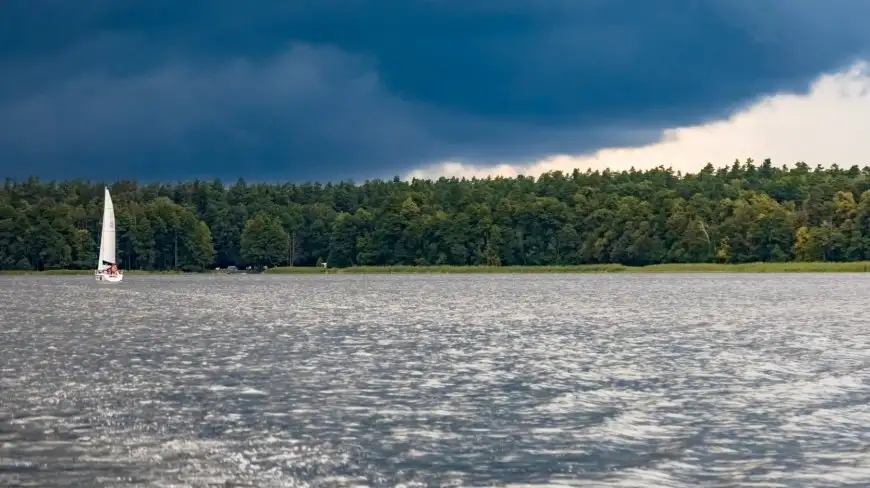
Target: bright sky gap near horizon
column 354, row 89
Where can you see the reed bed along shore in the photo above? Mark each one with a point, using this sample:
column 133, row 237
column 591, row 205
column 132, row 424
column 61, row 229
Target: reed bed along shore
column 789, row 267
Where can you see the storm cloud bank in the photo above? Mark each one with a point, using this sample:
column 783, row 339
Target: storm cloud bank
column 331, row 89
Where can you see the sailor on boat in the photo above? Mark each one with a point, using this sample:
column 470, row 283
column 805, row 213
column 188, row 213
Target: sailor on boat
column 111, row 270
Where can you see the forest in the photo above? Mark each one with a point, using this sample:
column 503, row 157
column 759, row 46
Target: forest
column 745, row 212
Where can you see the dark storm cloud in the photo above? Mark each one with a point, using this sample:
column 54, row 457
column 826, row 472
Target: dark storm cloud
column 356, row 88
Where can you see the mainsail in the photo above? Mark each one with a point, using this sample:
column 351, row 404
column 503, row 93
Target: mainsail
column 107, row 237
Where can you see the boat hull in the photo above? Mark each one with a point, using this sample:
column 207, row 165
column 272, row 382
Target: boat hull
column 108, row 278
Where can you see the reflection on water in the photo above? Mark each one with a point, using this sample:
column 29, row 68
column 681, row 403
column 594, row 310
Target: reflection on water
column 587, row 380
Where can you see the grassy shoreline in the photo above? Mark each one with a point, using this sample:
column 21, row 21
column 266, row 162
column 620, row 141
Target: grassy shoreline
column 790, row 267
column 79, row 272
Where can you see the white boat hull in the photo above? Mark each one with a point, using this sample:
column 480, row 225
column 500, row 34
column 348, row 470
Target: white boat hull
column 108, row 278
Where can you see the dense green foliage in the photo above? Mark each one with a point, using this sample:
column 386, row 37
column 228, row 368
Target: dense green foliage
column 743, row 213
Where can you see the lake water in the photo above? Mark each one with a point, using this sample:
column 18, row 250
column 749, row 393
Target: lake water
column 477, row 380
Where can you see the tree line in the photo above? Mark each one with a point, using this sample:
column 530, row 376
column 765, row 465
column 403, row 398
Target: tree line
column 739, row 213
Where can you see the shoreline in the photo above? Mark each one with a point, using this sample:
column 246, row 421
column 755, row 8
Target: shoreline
column 787, row 267
column 83, row 272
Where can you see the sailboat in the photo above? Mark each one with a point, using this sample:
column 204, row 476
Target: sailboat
column 107, row 266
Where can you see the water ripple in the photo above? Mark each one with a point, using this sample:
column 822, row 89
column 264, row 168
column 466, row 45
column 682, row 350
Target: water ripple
column 333, row 381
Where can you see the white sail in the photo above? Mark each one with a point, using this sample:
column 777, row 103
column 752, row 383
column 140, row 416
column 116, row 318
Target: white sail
column 107, row 237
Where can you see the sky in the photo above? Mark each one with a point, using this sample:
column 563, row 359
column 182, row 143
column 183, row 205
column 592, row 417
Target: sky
column 333, row 90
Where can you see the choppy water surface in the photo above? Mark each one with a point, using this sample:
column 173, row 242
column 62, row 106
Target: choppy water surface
column 591, row 380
